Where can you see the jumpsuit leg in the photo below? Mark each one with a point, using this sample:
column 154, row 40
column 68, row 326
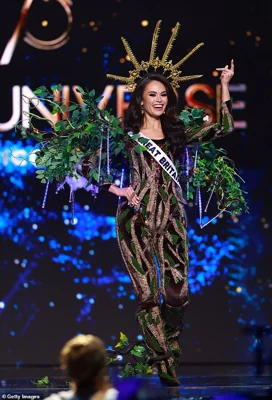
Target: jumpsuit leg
column 136, row 247
column 172, row 250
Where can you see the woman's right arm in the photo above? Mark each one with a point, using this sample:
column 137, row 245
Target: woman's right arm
column 127, row 192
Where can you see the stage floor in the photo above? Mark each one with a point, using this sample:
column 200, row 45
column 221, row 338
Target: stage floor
column 196, row 383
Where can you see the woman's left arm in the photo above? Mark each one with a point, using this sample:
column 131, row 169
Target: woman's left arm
column 225, row 124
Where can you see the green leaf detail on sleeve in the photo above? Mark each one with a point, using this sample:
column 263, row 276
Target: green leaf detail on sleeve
column 226, row 123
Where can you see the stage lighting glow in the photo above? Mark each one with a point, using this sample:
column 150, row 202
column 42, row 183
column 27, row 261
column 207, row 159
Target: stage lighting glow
column 232, row 42
column 144, row 22
column 44, row 23
column 2, row 304
column 92, row 23
column 239, row 289
column 248, row 33
column 122, row 60
column 258, row 38
column 214, row 73
column 95, row 28
column 84, row 50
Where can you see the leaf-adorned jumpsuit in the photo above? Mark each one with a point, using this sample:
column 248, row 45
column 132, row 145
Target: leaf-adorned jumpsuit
column 154, row 245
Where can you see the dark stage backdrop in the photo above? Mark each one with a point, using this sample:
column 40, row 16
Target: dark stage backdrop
column 59, row 279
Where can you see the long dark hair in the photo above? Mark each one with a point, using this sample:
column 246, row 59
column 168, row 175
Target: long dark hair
column 172, row 127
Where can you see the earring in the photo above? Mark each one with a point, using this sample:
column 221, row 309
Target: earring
column 142, row 108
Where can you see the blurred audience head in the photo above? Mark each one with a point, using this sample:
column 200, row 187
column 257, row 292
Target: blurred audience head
column 85, row 359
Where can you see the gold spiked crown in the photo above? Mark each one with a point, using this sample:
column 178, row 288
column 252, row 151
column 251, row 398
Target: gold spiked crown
column 170, row 71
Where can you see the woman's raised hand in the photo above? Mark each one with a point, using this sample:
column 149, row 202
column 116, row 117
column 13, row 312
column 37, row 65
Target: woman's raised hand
column 227, row 73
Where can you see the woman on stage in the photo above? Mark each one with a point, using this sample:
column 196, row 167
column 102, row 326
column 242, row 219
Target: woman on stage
column 151, row 222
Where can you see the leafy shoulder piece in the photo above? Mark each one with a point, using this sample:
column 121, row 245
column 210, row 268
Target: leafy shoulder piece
column 85, row 133
column 205, row 166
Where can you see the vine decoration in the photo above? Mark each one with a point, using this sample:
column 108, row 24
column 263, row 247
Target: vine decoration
column 42, row 383
column 142, row 361
column 88, row 132
column 210, row 168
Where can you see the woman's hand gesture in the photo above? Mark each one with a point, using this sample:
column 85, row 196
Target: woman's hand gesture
column 127, row 192
column 227, row 73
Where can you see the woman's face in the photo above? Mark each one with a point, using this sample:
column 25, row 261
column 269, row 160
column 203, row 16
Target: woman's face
column 154, row 99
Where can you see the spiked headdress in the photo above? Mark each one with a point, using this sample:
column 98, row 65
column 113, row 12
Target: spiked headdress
column 170, row 71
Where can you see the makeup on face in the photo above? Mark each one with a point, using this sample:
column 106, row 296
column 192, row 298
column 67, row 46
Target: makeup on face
column 155, row 98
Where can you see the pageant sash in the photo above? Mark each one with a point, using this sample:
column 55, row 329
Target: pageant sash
column 158, row 154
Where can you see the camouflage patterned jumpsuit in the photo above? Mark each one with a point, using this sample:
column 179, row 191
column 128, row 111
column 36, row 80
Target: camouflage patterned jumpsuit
column 154, row 245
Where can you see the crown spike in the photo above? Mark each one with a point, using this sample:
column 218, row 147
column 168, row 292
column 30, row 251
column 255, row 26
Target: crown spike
column 119, row 78
column 130, row 53
column 188, row 78
column 170, row 43
column 155, row 42
column 187, row 56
